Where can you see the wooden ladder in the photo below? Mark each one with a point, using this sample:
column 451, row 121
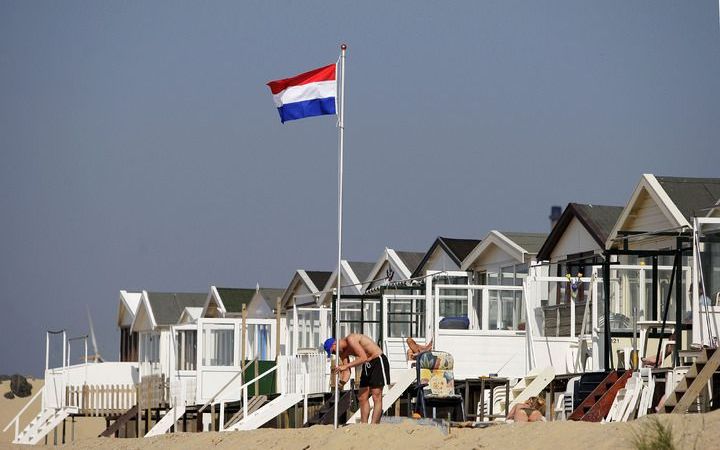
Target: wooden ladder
column 695, row 380
column 598, row 403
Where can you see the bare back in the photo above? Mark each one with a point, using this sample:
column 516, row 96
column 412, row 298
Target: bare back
column 359, row 343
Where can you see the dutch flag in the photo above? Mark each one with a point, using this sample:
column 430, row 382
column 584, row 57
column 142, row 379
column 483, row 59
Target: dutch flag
column 309, row 94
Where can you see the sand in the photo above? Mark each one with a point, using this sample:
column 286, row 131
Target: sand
column 691, row 431
column 85, row 427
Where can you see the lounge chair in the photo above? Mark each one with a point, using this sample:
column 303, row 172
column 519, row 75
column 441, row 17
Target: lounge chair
column 436, row 384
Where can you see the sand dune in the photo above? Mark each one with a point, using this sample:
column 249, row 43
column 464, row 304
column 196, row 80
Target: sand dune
column 691, row 431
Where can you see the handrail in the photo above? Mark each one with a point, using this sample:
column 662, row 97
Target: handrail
column 272, row 369
column 244, row 389
column 212, row 399
column 222, row 389
column 16, row 419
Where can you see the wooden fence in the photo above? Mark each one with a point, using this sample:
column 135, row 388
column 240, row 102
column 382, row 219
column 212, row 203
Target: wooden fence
column 115, row 399
column 101, row 399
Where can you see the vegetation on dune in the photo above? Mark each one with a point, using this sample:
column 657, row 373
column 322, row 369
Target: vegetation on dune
column 654, row 435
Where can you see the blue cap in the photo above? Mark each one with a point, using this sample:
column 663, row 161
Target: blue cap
column 328, row 346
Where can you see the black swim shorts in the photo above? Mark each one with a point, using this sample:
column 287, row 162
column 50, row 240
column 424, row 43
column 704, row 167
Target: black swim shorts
column 375, row 373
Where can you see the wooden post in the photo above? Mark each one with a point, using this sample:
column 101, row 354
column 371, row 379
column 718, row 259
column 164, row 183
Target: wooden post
column 138, row 396
column 244, row 339
column 212, row 416
column 277, row 328
column 257, row 373
column 148, row 383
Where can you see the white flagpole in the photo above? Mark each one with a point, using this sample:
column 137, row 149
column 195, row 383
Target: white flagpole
column 341, row 126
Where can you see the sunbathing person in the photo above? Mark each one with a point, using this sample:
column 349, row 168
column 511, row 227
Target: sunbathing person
column 415, row 349
column 531, row 410
column 651, row 360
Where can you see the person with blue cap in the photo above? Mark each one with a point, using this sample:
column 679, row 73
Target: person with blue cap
column 375, row 370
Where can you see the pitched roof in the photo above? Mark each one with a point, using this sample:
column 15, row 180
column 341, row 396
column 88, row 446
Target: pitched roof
column 692, row 196
column 460, row 248
column 530, row 242
column 270, row 295
column 234, row 298
column 362, row 269
column 319, row 278
column 410, row 259
column 168, row 306
column 457, row 249
column 598, row 220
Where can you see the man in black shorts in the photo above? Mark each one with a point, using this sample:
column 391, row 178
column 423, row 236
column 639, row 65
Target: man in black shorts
column 375, row 370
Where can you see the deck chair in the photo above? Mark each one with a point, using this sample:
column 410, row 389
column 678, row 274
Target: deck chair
column 436, row 384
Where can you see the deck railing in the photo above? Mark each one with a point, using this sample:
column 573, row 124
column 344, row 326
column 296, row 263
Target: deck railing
column 101, row 400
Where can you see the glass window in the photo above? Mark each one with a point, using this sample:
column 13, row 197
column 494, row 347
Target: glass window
column 150, row 347
column 185, row 349
column 219, row 345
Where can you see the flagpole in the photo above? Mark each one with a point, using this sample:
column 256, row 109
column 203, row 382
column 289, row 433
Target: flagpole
column 341, row 126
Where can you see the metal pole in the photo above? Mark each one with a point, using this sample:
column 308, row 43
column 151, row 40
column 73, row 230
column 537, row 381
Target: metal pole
column 606, row 312
column 341, row 126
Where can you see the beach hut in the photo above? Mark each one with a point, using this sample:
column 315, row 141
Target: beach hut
column 478, row 313
column 307, row 320
column 651, row 256
column 127, row 308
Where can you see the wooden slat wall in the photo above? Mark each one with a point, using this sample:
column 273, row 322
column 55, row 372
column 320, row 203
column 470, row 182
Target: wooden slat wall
column 102, row 400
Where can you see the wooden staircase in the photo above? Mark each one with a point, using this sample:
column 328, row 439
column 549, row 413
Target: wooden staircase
column 531, row 385
column 41, row 425
column 707, row 362
column 598, row 403
column 129, row 415
column 255, row 403
column 326, row 414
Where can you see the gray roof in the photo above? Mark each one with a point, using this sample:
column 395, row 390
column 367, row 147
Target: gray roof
column 362, row 269
column 460, row 248
column 318, row 278
column 168, row 306
column 530, row 242
column 235, row 298
column 411, row 259
column 270, row 295
column 598, row 220
column 692, row 196
column 456, row 249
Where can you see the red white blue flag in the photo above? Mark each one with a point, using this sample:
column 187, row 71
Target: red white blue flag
column 309, row 94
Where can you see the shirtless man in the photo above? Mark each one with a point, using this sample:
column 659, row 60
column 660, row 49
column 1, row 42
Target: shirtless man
column 375, row 370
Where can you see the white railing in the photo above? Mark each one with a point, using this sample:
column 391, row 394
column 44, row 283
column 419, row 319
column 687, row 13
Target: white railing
column 101, row 399
column 303, row 373
column 244, row 389
column 16, row 419
column 480, row 320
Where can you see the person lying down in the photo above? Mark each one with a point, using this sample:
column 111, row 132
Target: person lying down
column 415, row 349
column 531, row 410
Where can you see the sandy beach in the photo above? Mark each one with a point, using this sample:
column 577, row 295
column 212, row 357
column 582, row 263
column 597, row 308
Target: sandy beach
column 690, row 431
column 85, row 427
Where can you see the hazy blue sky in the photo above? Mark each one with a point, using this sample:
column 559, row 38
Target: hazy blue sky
column 140, row 148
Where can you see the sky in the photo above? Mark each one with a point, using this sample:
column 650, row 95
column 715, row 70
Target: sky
column 141, row 149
